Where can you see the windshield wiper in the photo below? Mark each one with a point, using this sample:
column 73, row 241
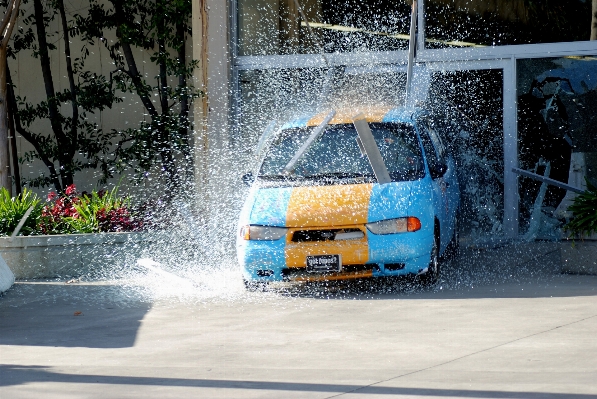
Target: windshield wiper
column 367, row 143
column 317, row 132
column 339, row 175
column 280, row 177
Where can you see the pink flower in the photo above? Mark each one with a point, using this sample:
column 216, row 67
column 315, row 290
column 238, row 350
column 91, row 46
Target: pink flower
column 52, row 195
column 71, row 190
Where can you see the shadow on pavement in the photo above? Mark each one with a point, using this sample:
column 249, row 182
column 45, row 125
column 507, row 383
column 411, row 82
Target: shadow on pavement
column 92, row 316
column 17, row 375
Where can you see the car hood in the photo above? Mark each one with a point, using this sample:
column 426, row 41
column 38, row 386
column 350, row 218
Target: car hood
column 321, row 206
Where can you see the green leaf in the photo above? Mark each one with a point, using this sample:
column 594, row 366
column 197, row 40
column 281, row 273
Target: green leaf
column 584, row 212
column 12, row 211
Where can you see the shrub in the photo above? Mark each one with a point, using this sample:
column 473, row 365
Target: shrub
column 101, row 211
column 12, row 210
column 584, row 213
column 68, row 213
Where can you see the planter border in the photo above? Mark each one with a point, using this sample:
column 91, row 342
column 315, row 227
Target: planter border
column 69, row 255
column 579, row 255
column 69, row 239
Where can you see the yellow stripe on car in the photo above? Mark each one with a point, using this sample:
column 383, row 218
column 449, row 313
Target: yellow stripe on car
column 344, row 116
column 328, row 207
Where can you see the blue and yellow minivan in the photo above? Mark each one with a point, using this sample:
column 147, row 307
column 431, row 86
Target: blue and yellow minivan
column 350, row 194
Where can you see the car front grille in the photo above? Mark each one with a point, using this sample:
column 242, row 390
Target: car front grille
column 327, row 235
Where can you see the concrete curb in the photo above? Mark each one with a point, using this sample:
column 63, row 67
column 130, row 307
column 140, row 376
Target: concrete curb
column 35, row 257
column 579, row 256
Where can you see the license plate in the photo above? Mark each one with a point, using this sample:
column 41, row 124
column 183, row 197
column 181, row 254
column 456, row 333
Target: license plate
column 324, row 264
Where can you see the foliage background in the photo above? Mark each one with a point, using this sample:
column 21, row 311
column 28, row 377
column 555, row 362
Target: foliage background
column 107, row 126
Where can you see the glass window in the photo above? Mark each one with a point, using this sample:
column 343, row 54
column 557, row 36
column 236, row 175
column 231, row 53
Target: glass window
column 274, row 96
column 464, row 23
column 436, row 139
column 336, row 155
column 270, row 27
column 557, row 98
column 434, row 161
column 281, row 95
column 466, row 109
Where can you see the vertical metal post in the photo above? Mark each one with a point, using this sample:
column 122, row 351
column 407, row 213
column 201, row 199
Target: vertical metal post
column 233, row 28
column 510, row 151
column 235, row 104
column 411, row 50
column 235, row 90
column 421, row 26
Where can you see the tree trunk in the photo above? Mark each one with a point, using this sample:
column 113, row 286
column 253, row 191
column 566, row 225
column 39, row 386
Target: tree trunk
column 6, row 27
column 31, row 138
column 16, row 173
column 64, row 145
column 168, row 164
column 183, row 118
column 4, row 158
column 71, row 81
column 594, row 21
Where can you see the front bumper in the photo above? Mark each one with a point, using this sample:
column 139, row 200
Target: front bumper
column 372, row 256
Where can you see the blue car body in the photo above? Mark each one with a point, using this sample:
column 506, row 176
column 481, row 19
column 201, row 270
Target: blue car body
column 317, row 219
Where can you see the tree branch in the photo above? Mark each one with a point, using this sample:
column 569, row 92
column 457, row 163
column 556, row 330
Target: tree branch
column 136, row 78
column 30, row 137
column 71, row 80
column 47, row 74
column 133, row 72
column 183, row 116
column 9, row 20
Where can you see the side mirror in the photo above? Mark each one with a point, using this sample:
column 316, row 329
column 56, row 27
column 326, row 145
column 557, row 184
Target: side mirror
column 248, row 179
column 438, row 170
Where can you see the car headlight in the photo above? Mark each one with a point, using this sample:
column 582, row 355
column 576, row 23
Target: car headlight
column 393, row 226
column 262, row 233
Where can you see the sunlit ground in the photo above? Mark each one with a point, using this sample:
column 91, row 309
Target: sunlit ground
column 502, row 323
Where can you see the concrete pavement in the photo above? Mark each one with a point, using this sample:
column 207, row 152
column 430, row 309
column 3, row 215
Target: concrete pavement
column 504, row 323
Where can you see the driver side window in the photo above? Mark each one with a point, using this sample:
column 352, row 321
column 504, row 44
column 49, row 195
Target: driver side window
column 434, row 150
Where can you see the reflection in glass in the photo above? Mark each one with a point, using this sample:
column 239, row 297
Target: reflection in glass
column 557, row 98
column 269, row 27
column 463, row 23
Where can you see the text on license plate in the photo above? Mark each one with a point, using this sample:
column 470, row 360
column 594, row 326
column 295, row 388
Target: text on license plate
column 324, row 263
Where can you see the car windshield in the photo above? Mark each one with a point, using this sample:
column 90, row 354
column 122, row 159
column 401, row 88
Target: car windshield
column 336, row 154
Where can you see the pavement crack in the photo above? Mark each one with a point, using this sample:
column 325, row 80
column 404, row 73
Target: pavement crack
column 461, row 357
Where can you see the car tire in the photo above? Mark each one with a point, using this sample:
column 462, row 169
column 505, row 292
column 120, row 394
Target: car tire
column 433, row 270
column 453, row 247
column 255, row 286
